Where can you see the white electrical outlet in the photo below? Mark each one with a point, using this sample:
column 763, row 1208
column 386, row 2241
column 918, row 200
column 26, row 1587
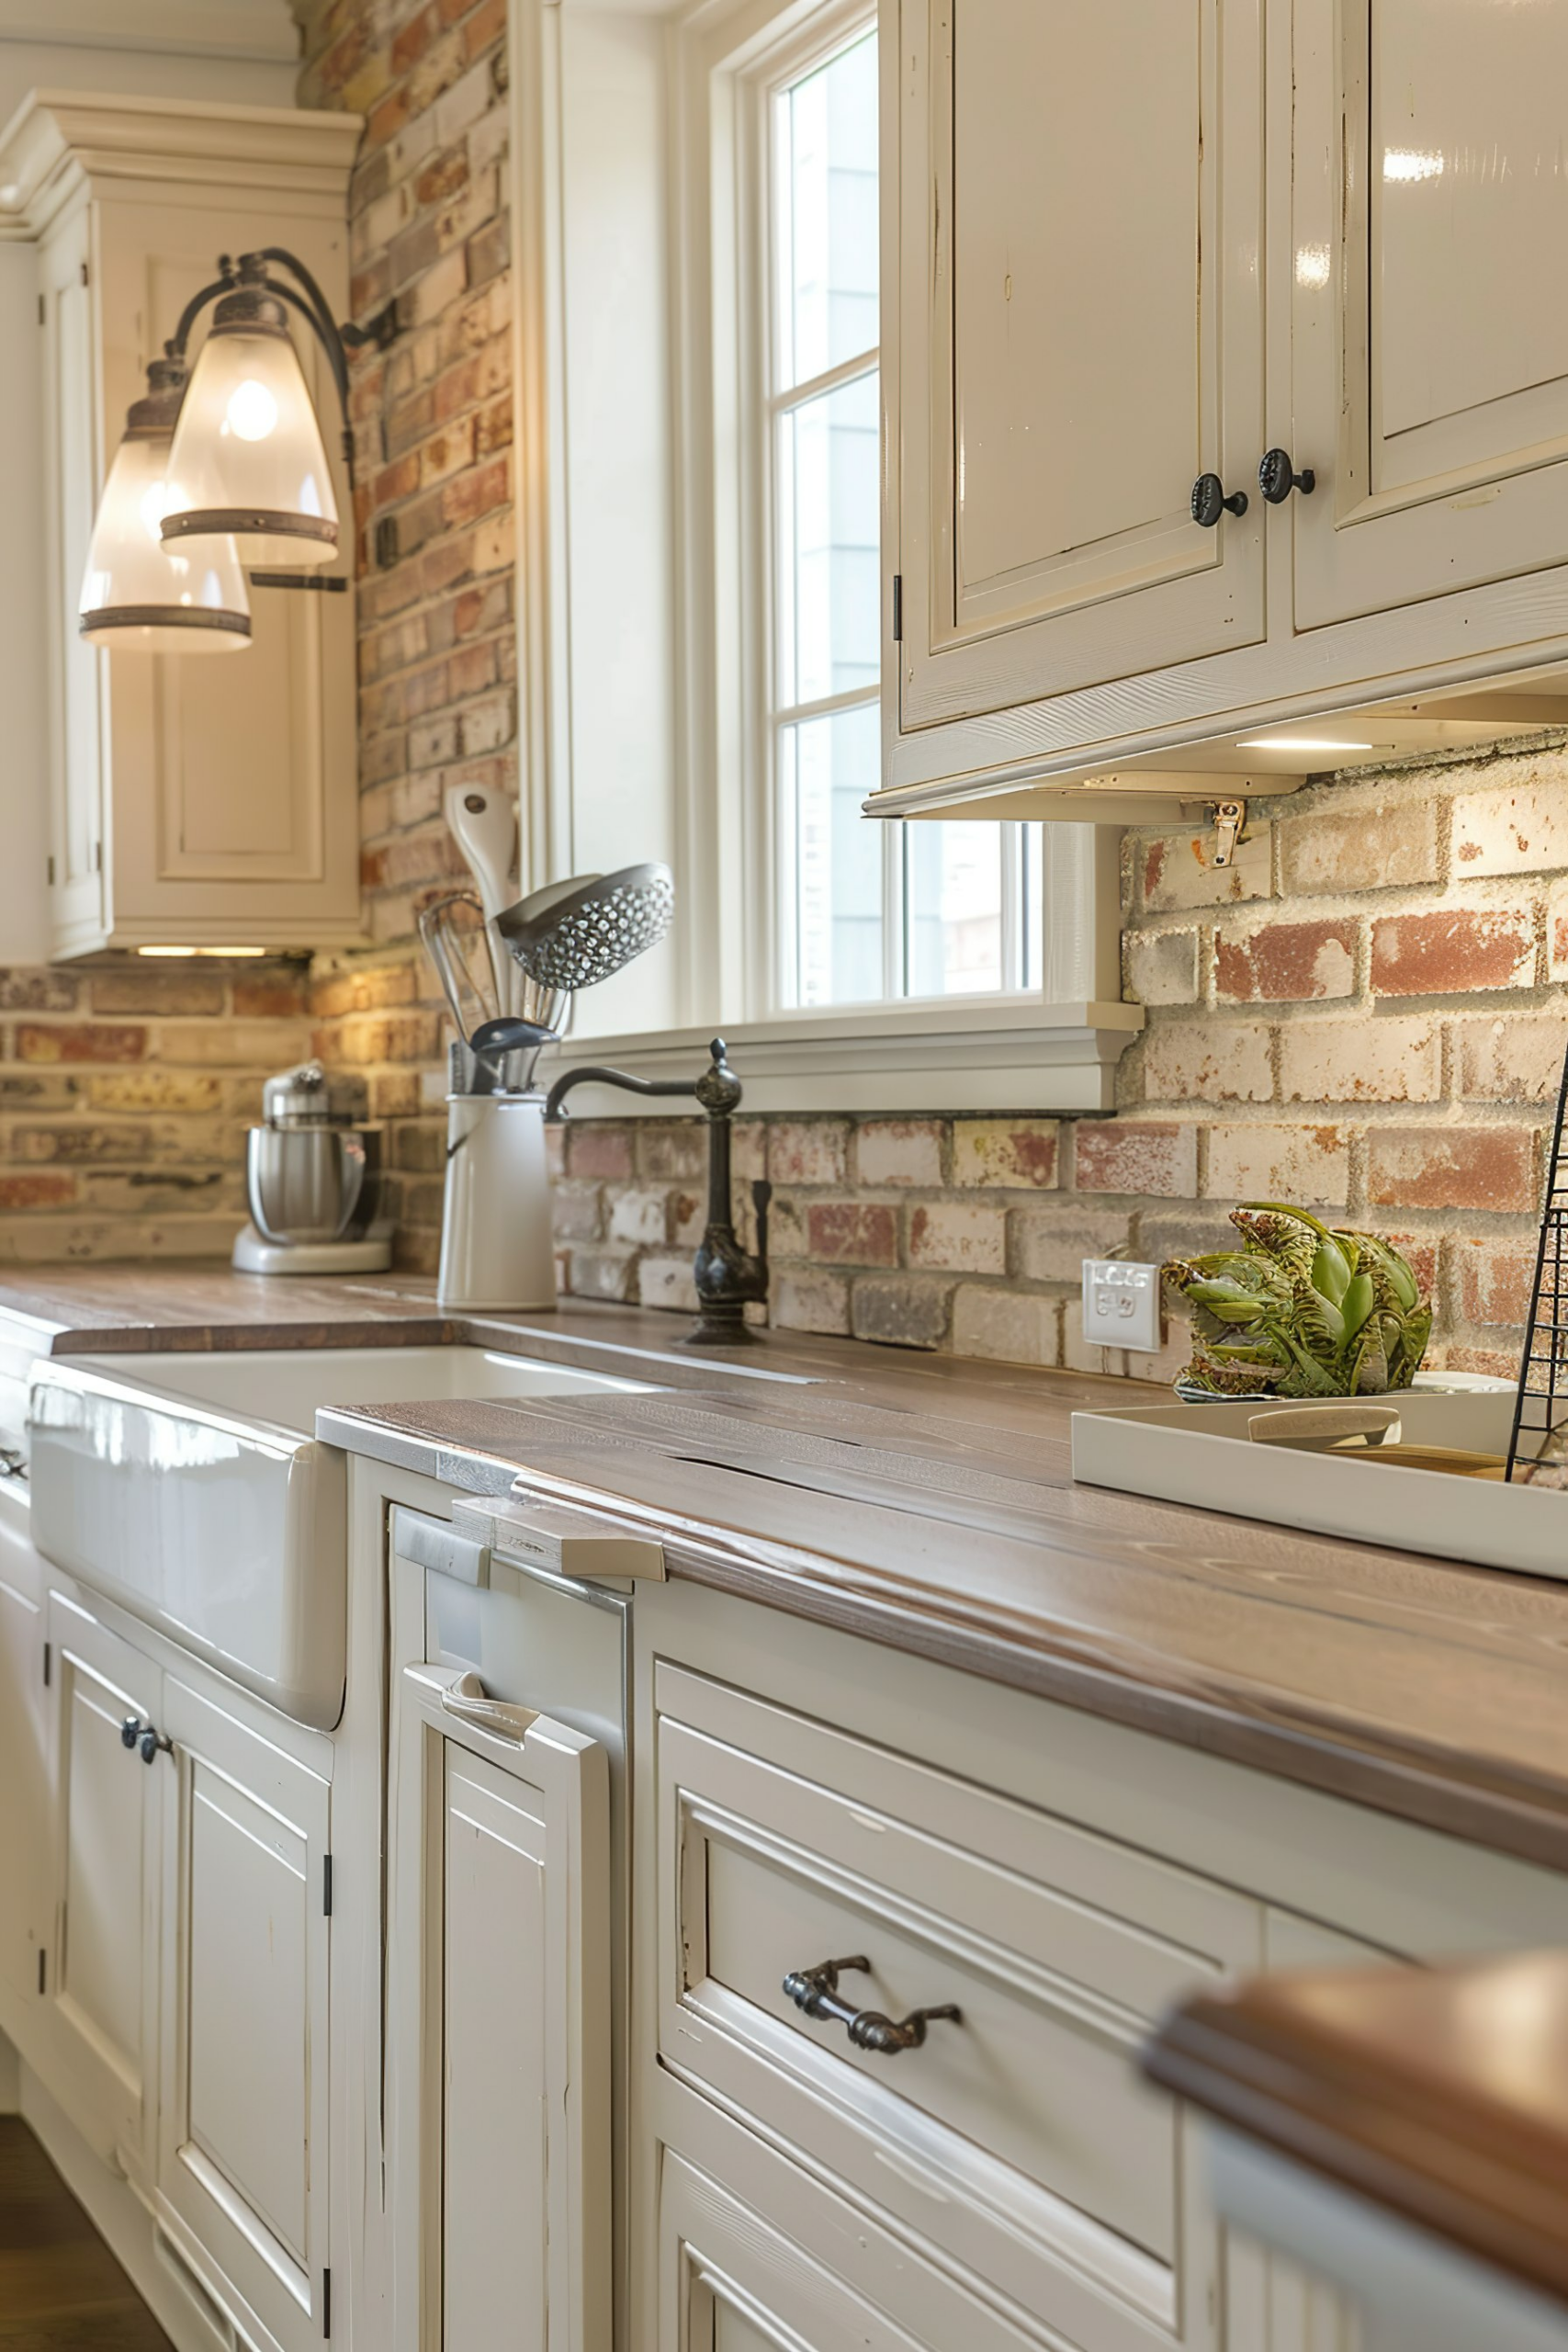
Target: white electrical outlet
column 1121, row 1305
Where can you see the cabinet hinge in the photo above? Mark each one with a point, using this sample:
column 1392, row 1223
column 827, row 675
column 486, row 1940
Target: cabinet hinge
column 43, row 309
column 897, row 609
column 51, row 873
column 98, row 858
column 326, row 1886
column 42, row 1966
column 86, row 274
column 326, row 2302
column 48, row 1663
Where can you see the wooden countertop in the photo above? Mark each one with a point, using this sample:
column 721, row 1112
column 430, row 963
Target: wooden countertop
column 1441, row 2095
column 928, row 1504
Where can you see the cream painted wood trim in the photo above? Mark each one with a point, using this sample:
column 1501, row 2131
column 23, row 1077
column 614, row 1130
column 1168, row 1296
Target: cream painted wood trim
column 1013, row 1057
column 255, row 30
column 56, row 138
column 1054, row 1051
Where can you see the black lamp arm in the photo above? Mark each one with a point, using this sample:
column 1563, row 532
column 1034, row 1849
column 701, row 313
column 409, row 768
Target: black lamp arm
column 175, row 346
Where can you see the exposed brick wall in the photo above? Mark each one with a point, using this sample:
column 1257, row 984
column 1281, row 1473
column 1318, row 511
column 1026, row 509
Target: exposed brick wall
column 1365, row 1014
column 433, row 513
column 125, row 1092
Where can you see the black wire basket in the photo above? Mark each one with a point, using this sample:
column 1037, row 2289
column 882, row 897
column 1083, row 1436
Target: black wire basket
column 1538, row 1449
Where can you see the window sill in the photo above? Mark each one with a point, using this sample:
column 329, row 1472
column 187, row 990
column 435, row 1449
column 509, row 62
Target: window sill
column 924, row 1060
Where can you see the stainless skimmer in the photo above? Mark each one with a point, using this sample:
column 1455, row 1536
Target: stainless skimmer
column 581, row 935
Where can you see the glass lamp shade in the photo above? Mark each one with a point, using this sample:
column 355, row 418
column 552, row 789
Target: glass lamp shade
column 248, row 452
column 139, row 594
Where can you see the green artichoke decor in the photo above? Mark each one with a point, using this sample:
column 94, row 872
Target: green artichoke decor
column 1300, row 1310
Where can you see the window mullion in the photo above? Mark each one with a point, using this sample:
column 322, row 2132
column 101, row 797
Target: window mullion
column 831, row 379
column 1012, row 883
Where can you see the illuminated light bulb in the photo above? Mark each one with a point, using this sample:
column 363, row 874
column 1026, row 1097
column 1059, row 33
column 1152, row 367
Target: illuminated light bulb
column 252, row 411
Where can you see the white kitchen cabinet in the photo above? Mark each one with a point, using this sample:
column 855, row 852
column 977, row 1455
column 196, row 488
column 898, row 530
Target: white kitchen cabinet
column 1125, row 247
column 204, row 799
column 107, row 1846
column 25, row 1811
column 499, row 2012
column 1080, row 204
column 242, row 2155
column 1429, row 380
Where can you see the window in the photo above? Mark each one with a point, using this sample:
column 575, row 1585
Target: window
column 868, row 912
column 703, row 600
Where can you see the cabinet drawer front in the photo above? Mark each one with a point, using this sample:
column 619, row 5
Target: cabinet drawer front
column 1020, row 2135
column 754, row 2256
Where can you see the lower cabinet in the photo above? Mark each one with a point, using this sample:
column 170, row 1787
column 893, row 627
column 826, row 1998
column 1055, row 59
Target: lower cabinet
column 25, row 1879
column 107, row 1843
column 754, row 2254
column 498, row 2014
column 186, row 1998
column 242, row 2143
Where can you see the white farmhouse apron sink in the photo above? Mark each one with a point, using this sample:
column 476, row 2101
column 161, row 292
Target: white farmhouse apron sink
column 191, row 1490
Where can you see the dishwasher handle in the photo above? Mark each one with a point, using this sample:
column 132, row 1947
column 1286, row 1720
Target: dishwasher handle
column 468, row 1699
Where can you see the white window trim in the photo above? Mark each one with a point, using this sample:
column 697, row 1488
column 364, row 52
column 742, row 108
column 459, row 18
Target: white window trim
column 1055, row 1049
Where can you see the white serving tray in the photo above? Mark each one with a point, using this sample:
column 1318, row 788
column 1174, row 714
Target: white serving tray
column 1201, row 1454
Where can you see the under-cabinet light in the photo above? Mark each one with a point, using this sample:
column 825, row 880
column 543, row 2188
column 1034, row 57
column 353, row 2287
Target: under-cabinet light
column 1302, row 743
column 230, row 954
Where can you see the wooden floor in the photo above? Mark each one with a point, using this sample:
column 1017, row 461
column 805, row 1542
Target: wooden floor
column 61, row 2288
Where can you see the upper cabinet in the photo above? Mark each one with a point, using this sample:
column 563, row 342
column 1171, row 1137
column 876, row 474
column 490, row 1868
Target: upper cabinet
column 1061, row 392
column 1428, row 376
column 194, row 801
column 1127, row 254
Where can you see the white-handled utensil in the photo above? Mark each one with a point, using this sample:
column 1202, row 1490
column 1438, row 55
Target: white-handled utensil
column 483, row 823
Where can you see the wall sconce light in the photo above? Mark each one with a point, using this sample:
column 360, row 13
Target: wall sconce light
column 223, row 470
column 137, row 591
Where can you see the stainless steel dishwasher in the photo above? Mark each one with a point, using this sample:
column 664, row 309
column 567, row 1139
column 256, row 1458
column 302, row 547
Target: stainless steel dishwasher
column 507, row 1992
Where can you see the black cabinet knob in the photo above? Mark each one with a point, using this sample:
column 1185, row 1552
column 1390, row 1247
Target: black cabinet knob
column 1277, row 477
column 1209, row 501
column 136, row 1734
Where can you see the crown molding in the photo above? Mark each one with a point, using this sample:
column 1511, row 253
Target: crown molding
column 249, row 31
column 59, row 139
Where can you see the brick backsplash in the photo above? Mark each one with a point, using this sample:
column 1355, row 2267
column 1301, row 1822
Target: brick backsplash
column 126, row 1088
column 1367, row 1010
column 1366, row 1014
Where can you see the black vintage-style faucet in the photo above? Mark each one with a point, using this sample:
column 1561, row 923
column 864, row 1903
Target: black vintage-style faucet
column 729, row 1277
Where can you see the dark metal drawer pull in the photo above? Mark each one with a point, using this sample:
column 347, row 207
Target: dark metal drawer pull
column 816, row 1991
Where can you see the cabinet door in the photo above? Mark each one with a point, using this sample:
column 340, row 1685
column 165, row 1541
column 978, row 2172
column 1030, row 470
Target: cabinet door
column 74, row 467
column 25, row 1808
column 1430, row 362
column 1078, row 224
column 498, row 2128
column 242, row 2121
column 104, row 2004
column 232, row 818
